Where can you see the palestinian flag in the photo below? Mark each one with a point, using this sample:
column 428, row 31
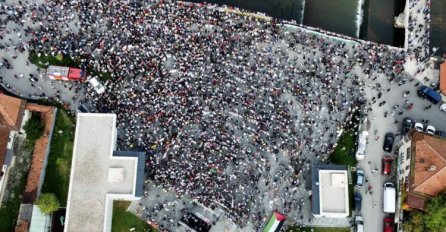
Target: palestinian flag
column 275, row 223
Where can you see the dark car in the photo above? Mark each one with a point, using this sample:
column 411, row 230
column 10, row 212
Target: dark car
column 407, row 126
column 358, row 199
column 388, row 142
column 441, row 133
column 387, row 165
column 82, row 109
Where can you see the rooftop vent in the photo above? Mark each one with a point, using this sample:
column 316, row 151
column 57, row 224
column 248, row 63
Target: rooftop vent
column 432, row 168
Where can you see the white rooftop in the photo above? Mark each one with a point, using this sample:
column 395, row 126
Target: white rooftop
column 57, row 70
column 97, row 178
column 333, row 193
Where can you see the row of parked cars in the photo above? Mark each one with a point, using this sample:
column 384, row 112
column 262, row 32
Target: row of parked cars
column 388, row 224
column 409, row 124
column 388, row 203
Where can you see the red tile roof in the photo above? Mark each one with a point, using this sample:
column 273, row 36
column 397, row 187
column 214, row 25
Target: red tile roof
column 429, row 164
column 11, row 111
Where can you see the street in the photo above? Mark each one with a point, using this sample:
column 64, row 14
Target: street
column 373, row 216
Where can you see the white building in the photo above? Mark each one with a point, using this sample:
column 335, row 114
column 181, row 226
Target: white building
column 99, row 174
column 330, row 191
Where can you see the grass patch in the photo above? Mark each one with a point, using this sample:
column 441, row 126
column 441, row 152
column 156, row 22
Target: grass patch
column 123, row 221
column 317, row 229
column 45, row 60
column 344, row 151
column 57, row 177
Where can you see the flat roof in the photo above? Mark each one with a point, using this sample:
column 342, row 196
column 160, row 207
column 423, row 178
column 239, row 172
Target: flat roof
column 333, row 192
column 329, row 190
column 92, row 190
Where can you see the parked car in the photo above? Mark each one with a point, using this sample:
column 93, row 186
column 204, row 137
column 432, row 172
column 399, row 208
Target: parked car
column 407, row 125
column 387, row 165
column 429, row 94
column 359, row 177
column 359, row 224
column 388, row 224
column 419, row 126
column 389, row 199
column 430, row 130
column 441, row 133
column 358, row 199
column 388, row 142
column 97, row 86
column 82, row 109
column 443, row 107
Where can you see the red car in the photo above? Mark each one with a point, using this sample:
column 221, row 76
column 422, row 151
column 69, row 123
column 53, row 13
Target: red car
column 387, row 165
column 388, row 224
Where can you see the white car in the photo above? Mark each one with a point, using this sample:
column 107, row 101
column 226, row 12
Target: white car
column 443, row 107
column 360, row 153
column 359, row 224
column 430, row 130
column 97, row 86
column 419, row 126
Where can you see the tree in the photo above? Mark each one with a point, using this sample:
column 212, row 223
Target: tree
column 34, row 127
column 47, row 203
column 415, row 224
column 435, row 217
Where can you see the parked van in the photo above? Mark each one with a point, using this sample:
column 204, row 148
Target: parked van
column 389, row 198
column 430, row 94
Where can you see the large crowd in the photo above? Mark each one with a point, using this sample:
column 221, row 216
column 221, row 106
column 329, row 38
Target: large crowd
column 231, row 110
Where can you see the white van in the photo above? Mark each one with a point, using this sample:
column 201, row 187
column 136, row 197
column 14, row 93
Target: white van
column 389, row 198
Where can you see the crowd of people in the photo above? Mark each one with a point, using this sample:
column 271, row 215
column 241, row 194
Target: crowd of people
column 230, row 110
column 419, row 31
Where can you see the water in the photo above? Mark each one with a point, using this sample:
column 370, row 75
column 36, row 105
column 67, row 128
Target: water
column 366, row 19
column 333, row 15
column 283, row 9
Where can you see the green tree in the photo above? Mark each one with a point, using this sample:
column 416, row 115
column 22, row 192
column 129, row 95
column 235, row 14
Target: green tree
column 435, row 216
column 415, row 224
column 34, row 127
column 47, row 203
column 434, row 219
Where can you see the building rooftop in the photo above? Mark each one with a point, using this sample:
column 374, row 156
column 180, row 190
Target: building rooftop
column 99, row 175
column 429, row 164
column 330, row 190
column 11, row 110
